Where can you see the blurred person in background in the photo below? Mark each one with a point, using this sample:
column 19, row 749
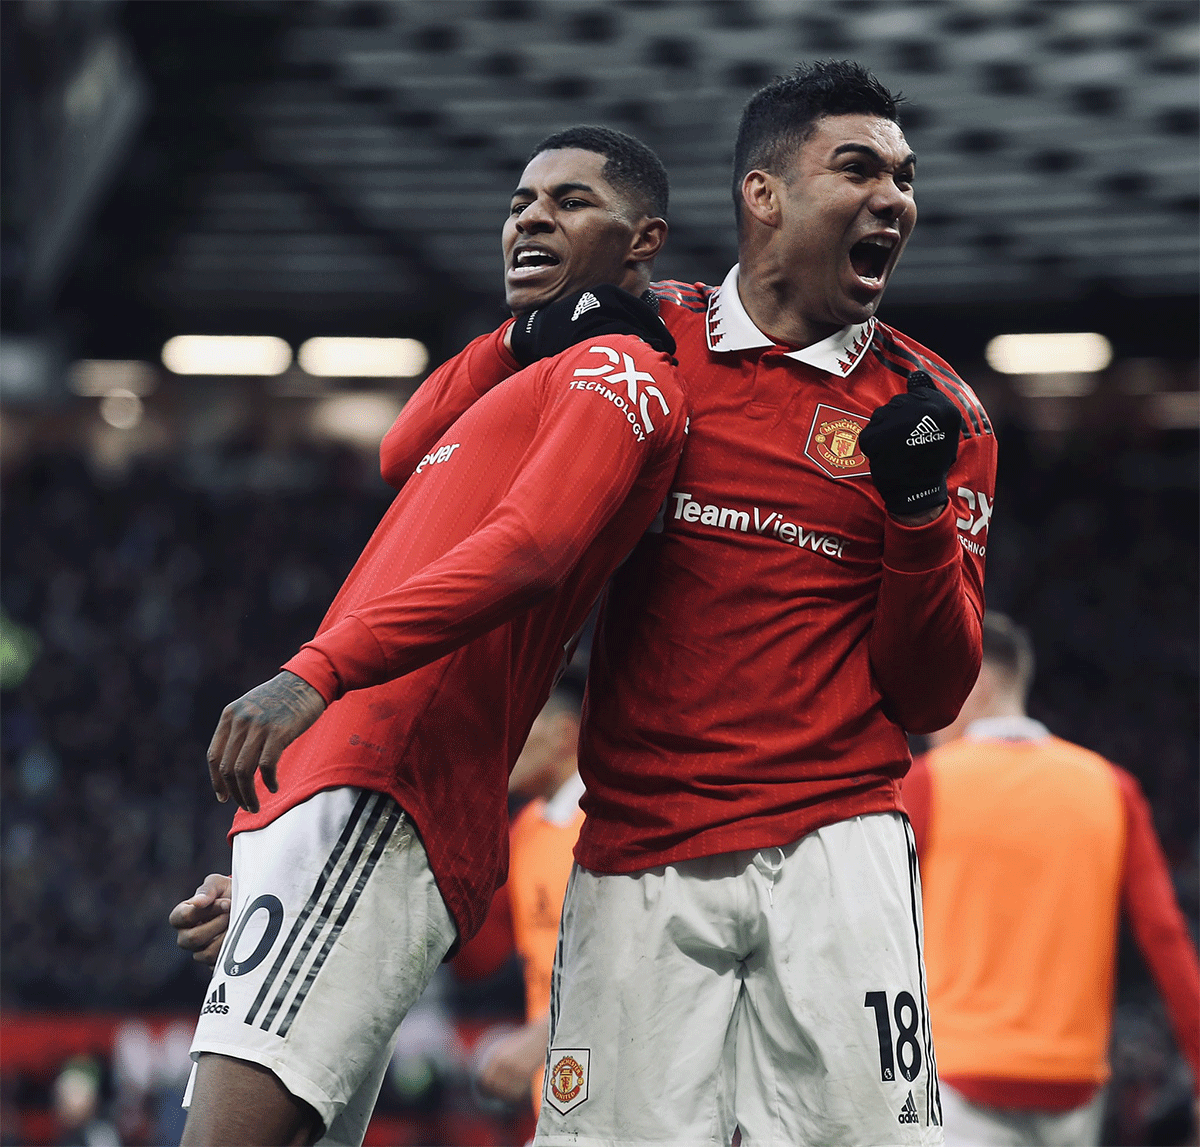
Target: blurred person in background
column 1030, row 846
column 77, row 1107
column 382, row 833
column 541, row 846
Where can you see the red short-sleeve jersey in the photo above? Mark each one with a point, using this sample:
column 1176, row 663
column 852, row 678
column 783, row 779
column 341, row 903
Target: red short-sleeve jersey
column 448, row 634
column 763, row 654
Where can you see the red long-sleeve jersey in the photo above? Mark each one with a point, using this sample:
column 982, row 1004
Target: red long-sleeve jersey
column 761, row 657
column 442, row 398
column 447, row 636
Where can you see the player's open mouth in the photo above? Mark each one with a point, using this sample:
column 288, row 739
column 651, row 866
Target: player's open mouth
column 870, row 257
column 529, row 261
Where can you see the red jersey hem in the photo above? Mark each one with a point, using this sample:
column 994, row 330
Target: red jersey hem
column 351, row 777
column 1024, row 1094
column 773, row 832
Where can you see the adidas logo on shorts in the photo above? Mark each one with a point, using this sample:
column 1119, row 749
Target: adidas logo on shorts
column 924, row 432
column 587, row 302
column 908, row 1113
column 216, row 1002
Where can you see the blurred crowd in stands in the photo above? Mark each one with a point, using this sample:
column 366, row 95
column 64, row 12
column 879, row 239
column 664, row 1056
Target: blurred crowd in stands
column 136, row 606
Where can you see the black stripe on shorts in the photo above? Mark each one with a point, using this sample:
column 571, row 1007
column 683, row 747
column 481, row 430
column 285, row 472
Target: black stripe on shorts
column 933, row 1096
column 394, row 816
column 343, row 858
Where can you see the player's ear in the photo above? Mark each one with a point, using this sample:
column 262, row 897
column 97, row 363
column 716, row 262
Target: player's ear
column 648, row 239
column 760, row 197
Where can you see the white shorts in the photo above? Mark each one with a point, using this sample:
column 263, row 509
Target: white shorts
column 781, row 991
column 337, row 927
column 971, row 1124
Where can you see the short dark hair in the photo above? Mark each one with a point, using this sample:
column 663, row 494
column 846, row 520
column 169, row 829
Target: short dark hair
column 782, row 116
column 1008, row 647
column 630, row 166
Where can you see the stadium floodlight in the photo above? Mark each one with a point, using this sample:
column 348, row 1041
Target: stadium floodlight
column 359, row 419
column 226, row 354
column 363, row 358
column 96, row 377
column 1174, row 410
column 1054, row 385
column 1083, row 352
column 121, row 409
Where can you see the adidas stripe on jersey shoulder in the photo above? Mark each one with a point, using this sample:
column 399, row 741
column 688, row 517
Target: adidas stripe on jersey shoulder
column 691, row 296
column 902, row 355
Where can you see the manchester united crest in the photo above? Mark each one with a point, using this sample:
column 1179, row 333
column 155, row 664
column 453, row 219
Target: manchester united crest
column 833, row 442
column 567, row 1080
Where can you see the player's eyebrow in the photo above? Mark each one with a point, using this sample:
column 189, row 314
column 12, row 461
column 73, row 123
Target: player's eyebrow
column 560, row 189
column 909, row 160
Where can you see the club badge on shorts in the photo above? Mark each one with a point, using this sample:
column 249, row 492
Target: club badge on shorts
column 567, row 1080
column 833, row 442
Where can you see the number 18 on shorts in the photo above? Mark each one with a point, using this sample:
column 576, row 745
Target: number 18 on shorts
column 778, row 991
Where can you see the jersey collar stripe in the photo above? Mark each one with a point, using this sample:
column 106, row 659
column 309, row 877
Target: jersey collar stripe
column 730, row 328
column 951, row 379
column 964, row 392
column 680, row 289
column 895, row 347
column 966, row 398
column 968, row 415
column 683, row 295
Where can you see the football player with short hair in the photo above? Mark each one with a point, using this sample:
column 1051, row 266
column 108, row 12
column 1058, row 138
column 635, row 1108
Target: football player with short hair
column 741, row 943
column 385, row 743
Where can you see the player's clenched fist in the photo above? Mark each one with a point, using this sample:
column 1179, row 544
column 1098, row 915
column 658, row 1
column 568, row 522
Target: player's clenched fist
column 596, row 311
column 253, row 732
column 911, row 442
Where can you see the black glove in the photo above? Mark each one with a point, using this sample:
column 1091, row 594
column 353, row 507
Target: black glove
column 911, row 442
column 602, row 310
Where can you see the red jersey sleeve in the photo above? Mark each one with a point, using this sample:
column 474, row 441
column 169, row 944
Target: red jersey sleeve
column 440, row 399
column 584, row 459
column 926, row 641
column 916, row 794
column 1148, row 899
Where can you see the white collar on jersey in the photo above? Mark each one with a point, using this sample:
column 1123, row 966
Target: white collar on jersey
column 1006, row 729
column 561, row 808
column 730, row 328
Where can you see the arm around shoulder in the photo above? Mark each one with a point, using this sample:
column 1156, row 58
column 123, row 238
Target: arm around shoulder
column 454, row 386
column 595, row 441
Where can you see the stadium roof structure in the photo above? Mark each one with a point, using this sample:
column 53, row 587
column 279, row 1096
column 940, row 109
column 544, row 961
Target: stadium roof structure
column 353, row 159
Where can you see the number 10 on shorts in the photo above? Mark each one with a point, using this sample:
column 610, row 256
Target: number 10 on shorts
column 908, row 1046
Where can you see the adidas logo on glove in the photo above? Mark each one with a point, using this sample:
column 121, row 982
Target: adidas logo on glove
column 587, row 302
column 924, row 432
